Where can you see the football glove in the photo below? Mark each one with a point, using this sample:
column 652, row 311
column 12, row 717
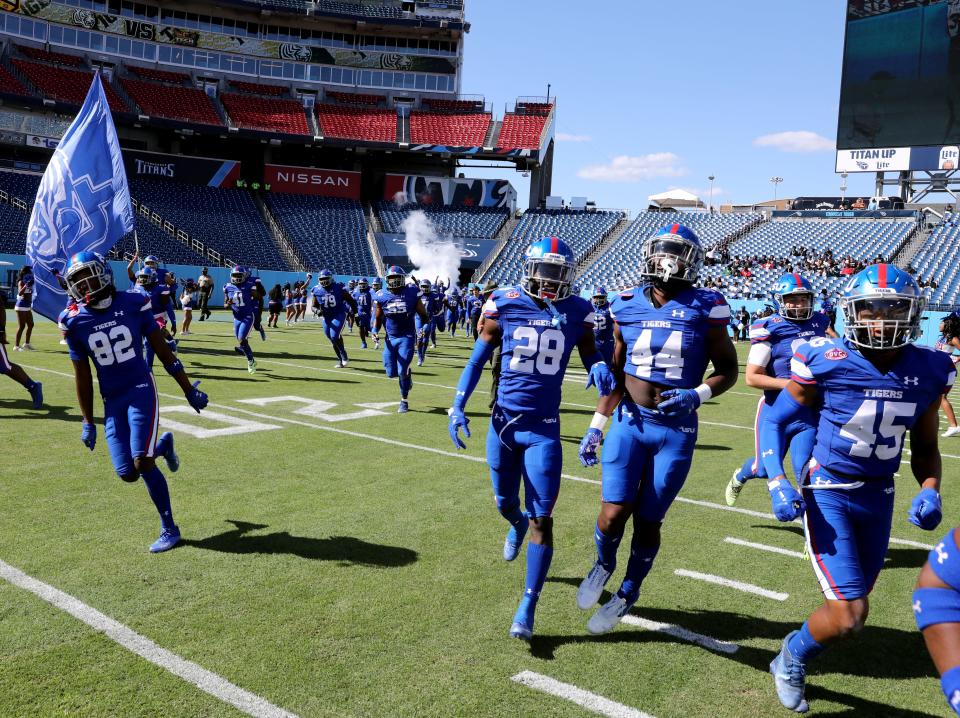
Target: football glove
column 88, row 435
column 588, row 447
column 196, row 398
column 926, row 511
column 787, row 503
column 679, row 402
column 458, row 420
column 602, row 378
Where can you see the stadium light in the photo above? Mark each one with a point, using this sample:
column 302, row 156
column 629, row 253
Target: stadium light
column 710, row 205
column 843, row 186
column 775, row 181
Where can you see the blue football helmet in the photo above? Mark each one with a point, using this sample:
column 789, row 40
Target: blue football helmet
column 425, row 286
column 238, row 275
column 882, row 307
column 548, row 269
column 798, row 289
column 352, row 284
column 396, row 278
column 325, row 278
column 599, row 298
column 89, row 277
column 673, row 254
column 151, row 261
column 147, row 276
column 377, row 284
column 363, row 285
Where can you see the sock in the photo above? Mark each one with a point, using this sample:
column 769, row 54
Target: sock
column 639, row 565
column 803, row 647
column 538, row 563
column 404, row 386
column 514, row 515
column 247, row 351
column 162, row 445
column 160, row 494
column 341, row 350
column 607, row 546
column 950, row 683
column 747, row 471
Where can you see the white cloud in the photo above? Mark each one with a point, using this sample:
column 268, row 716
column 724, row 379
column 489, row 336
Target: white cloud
column 627, row 168
column 564, row 137
column 796, row 141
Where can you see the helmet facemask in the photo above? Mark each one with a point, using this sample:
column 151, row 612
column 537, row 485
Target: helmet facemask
column 395, row 282
column 793, row 307
column 549, row 276
column 671, row 262
column 882, row 321
column 89, row 283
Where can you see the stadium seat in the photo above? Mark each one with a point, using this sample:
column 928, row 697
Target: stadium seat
column 358, row 123
column 10, row 84
column 173, row 102
column 521, row 131
column 356, row 98
column 449, row 129
column 65, row 85
column 147, row 73
column 268, row 114
column 938, row 260
column 253, row 88
column 56, row 58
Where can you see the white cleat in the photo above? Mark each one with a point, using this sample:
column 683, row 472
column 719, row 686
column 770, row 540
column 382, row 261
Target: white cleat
column 734, row 487
column 952, row 431
column 608, row 615
column 28, row 347
column 591, row 587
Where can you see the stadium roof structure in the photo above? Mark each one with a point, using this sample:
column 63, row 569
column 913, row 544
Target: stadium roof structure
column 676, row 198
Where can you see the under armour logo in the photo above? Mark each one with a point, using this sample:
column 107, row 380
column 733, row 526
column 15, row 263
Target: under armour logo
column 916, row 606
column 820, row 481
column 768, row 452
column 118, row 313
column 941, row 554
column 678, row 313
column 911, row 380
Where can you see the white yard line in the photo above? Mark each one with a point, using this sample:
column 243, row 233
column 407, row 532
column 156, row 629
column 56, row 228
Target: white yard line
column 763, row 547
column 737, row 585
column 713, row 644
column 585, row 699
column 207, row 681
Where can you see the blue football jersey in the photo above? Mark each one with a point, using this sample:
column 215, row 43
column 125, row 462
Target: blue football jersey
column 241, row 298
column 784, row 337
column 534, row 352
column 156, row 293
column 399, row 310
column 866, row 413
column 330, row 299
column 112, row 338
column 602, row 325
column 665, row 345
column 364, row 300
column 474, row 304
column 431, row 302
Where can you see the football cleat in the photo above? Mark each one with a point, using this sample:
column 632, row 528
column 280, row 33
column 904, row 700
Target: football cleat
column 952, row 431
column 263, row 334
column 363, row 345
column 36, row 393
column 252, row 366
column 28, row 347
column 789, row 678
column 165, row 449
column 63, row 341
column 168, row 539
column 734, row 487
column 591, row 588
column 18, row 349
column 404, row 407
column 239, row 350
column 419, row 362
column 522, row 626
column 608, row 615
column 514, row 540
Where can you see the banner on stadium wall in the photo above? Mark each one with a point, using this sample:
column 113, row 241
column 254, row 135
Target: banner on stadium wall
column 176, row 168
column 393, row 249
column 309, row 180
column 49, row 143
column 936, row 158
column 841, row 213
column 142, row 30
column 451, row 191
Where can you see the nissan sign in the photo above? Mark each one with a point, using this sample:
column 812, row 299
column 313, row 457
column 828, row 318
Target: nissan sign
column 308, row 180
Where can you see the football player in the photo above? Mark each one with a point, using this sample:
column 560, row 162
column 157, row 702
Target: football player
column 773, row 341
column 936, row 607
column 666, row 331
column 352, row 288
column 537, row 323
column 333, row 299
column 451, row 303
column 109, row 328
column 164, row 277
column 472, row 308
column 602, row 323
column 241, row 295
column 376, row 286
column 150, row 286
column 869, row 389
column 948, row 341
column 395, row 309
column 15, row 371
column 425, row 328
column 364, row 299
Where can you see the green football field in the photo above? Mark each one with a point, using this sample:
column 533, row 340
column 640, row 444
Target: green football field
column 343, row 560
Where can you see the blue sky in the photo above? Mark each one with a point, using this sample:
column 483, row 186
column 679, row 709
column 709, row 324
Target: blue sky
column 655, row 95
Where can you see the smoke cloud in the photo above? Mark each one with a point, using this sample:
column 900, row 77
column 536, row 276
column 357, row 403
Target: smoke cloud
column 431, row 255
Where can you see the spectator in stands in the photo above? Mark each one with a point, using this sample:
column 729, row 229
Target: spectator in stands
column 859, row 203
column 205, row 286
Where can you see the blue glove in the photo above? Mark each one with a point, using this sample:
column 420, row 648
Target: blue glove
column 196, row 398
column 588, row 447
column 458, row 421
column 602, row 378
column 88, row 435
column 679, row 402
column 926, row 511
column 787, row 502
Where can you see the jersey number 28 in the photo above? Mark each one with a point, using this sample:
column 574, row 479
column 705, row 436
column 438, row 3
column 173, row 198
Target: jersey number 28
column 538, row 352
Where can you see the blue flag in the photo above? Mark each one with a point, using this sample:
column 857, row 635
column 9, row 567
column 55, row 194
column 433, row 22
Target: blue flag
column 83, row 203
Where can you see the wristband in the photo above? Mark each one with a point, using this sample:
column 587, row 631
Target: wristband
column 175, row 368
column 599, row 421
column 704, row 392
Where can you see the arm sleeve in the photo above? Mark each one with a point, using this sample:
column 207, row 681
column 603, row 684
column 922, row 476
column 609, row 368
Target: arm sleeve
column 785, row 410
column 471, row 372
column 148, row 324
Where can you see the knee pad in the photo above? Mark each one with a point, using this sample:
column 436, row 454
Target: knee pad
column 944, row 560
column 130, row 478
column 936, row 605
column 950, row 683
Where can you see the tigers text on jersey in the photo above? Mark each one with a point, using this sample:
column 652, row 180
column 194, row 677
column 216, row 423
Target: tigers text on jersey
column 113, row 339
column 241, row 298
column 364, row 300
column 666, row 345
column 784, row 337
column 330, row 299
column 866, row 413
column 602, row 325
column 535, row 352
column 399, row 310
